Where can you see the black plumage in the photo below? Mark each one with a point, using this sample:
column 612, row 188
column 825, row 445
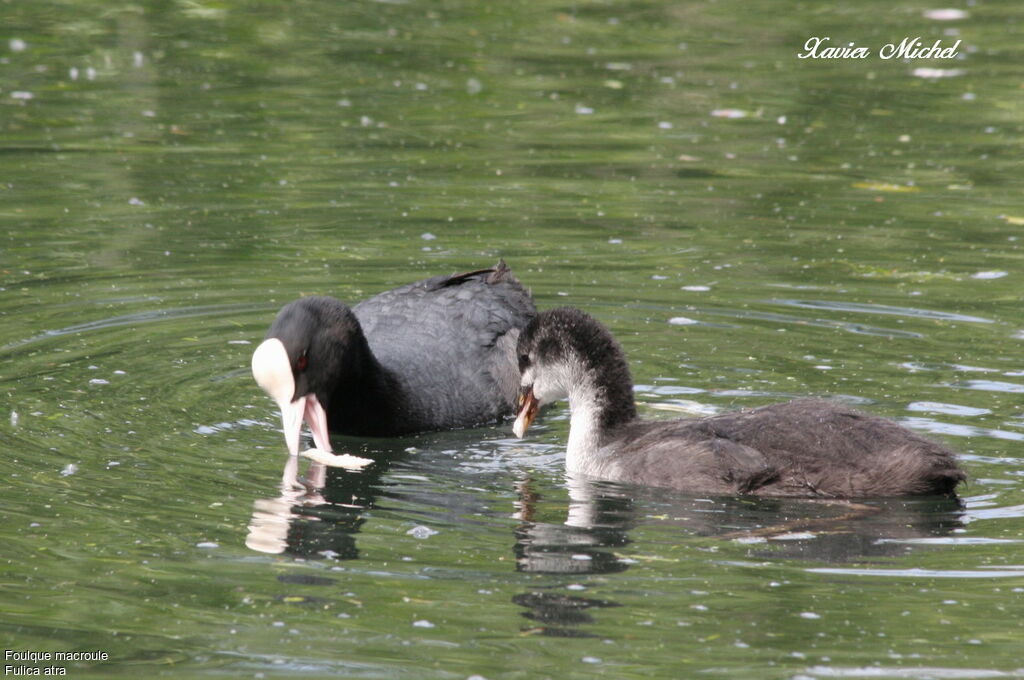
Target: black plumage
column 808, row 447
column 430, row 355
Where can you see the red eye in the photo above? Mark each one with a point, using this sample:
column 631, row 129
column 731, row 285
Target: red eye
column 301, row 363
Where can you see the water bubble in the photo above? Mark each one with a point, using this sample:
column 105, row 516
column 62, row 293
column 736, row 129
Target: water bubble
column 474, row 86
column 207, row 545
column 421, row 532
column 423, row 623
column 945, row 14
column 68, row 470
column 729, row 113
column 17, row 45
column 934, row 73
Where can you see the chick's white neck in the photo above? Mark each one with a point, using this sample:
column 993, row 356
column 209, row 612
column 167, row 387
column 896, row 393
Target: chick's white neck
column 571, row 380
column 582, row 451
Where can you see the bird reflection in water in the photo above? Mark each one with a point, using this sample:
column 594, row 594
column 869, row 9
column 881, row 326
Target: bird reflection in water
column 596, row 525
column 315, row 517
column 601, row 516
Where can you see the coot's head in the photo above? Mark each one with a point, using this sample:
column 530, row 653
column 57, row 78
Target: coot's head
column 304, row 357
column 564, row 353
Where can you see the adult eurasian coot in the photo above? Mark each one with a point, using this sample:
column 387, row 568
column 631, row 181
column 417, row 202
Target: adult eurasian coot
column 431, row 355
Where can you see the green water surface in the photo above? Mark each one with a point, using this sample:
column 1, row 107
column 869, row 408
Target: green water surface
column 752, row 226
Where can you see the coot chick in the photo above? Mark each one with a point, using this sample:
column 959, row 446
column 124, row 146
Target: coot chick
column 809, row 448
column 431, row 355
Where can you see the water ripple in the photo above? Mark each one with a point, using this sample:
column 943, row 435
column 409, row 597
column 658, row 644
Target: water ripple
column 909, row 672
column 949, row 409
column 148, row 316
column 858, row 328
column 866, row 308
column 991, row 386
column 914, row 572
column 938, row 427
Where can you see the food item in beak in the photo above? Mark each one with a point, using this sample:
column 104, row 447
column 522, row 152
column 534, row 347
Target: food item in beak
column 528, row 406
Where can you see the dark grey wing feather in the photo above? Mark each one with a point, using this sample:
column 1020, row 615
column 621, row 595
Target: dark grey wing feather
column 450, row 342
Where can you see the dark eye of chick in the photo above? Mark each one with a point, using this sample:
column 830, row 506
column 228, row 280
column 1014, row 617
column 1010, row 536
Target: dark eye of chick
column 524, row 361
column 302, row 362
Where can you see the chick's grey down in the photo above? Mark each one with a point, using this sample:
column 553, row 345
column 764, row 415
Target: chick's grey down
column 806, row 447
